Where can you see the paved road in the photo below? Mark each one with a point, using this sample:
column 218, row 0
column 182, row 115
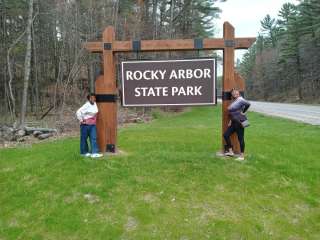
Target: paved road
column 298, row 112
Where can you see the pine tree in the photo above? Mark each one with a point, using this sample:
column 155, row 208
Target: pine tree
column 309, row 19
column 287, row 11
column 270, row 29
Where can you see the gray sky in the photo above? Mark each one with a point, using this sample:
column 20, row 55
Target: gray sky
column 245, row 15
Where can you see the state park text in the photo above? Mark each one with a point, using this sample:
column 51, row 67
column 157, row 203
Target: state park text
column 168, row 82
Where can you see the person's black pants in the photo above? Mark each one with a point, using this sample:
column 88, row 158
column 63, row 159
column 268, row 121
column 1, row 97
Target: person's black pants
column 235, row 127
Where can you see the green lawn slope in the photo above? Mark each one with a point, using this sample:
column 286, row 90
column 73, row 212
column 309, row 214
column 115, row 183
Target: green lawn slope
column 168, row 184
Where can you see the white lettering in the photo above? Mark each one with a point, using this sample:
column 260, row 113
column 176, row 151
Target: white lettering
column 137, row 75
column 144, row 91
column 197, row 90
column 154, row 75
column 186, row 91
column 189, row 91
column 181, row 73
column 173, row 75
column 181, row 92
column 189, row 73
column 174, row 90
column 137, row 93
column 129, row 75
column 162, row 73
column 200, row 73
column 151, row 92
column 207, row 73
column 145, row 75
column 165, row 91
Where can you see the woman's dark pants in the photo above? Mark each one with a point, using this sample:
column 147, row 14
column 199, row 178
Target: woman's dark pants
column 235, row 127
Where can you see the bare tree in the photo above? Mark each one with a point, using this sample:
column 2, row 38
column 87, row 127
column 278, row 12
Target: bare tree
column 27, row 66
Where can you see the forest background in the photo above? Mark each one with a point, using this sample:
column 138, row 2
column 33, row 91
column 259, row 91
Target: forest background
column 46, row 71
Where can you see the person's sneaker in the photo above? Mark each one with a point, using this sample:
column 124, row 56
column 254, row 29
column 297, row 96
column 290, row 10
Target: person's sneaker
column 96, row 155
column 240, row 158
column 86, row 155
column 229, row 154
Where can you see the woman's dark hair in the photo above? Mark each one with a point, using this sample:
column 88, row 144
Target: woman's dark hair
column 89, row 95
column 235, row 89
column 232, row 90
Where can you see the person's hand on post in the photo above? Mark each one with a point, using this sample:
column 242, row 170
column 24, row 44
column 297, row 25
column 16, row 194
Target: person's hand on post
column 229, row 123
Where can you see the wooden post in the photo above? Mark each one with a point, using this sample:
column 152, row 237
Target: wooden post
column 240, row 84
column 228, row 80
column 106, row 91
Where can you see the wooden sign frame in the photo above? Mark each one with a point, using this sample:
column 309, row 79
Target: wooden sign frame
column 106, row 89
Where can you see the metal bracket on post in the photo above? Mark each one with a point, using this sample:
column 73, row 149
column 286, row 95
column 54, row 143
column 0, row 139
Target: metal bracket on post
column 110, row 148
column 198, row 43
column 136, row 47
column 229, row 43
column 226, row 96
column 106, row 98
column 107, row 46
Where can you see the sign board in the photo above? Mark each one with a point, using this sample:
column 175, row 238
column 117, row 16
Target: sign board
column 169, row 82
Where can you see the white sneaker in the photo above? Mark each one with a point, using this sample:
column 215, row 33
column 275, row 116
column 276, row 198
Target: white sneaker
column 96, row 155
column 86, row 155
column 229, row 154
column 240, row 158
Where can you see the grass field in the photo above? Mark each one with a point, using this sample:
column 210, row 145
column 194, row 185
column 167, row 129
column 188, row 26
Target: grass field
column 169, row 185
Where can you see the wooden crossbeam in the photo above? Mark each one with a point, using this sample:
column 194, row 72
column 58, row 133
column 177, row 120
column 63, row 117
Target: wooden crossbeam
column 171, row 45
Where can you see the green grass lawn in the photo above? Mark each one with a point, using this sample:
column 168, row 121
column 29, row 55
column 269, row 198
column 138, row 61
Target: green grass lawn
column 169, row 185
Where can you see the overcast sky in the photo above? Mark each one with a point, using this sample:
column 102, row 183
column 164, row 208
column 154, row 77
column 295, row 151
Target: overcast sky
column 245, row 15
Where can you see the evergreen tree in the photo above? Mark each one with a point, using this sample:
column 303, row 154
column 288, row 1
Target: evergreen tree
column 288, row 10
column 286, row 57
column 270, row 30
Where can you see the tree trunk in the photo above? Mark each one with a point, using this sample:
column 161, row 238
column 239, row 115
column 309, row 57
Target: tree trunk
column 27, row 66
column 154, row 16
column 171, row 19
column 36, row 82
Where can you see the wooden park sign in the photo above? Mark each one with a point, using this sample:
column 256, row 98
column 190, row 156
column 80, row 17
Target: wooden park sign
column 168, row 82
column 106, row 88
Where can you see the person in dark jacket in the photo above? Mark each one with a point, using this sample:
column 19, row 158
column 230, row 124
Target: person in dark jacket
column 237, row 110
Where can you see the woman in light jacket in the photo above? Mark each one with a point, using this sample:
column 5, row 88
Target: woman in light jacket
column 87, row 116
column 237, row 110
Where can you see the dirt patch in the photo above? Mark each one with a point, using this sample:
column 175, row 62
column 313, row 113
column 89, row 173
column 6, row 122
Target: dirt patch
column 13, row 223
column 74, row 197
column 149, row 198
column 131, row 224
column 119, row 152
column 91, row 198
